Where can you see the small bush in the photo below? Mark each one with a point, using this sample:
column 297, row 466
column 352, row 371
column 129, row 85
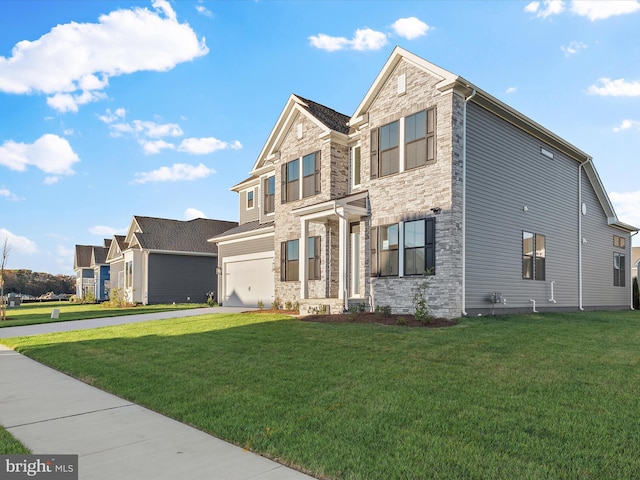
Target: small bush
column 117, row 299
column 636, row 294
column 402, row 321
column 260, row 305
column 211, row 300
column 383, row 311
column 277, row 304
column 288, row 305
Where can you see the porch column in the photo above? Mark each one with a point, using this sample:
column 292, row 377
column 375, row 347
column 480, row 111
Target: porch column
column 302, row 258
column 343, row 256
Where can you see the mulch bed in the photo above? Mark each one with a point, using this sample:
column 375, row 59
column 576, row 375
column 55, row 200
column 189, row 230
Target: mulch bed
column 404, row 320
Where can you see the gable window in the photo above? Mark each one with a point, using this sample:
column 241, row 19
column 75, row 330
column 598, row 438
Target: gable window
column 250, row 199
column 419, row 137
column 269, row 188
column 534, row 255
column 313, row 258
column 289, row 261
column 619, row 270
column 389, row 258
column 310, row 174
column 419, row 247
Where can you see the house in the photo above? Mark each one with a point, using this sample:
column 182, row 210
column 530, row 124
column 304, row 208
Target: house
column 92, row 271
column 163, row 261
column 431, row 180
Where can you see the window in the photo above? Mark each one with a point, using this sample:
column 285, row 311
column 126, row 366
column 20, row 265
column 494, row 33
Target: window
column 533, row 256
column 389, row 152
column 419, row 247
column 269, row 194
column 291, row 181
column 310, row 174
column 355, row 166
column 249, row 199
column 128, row 274
column 419, row 137
column 289, row 261
column 389, row 260
column 313, row 258
column 619, row 270
column 619, row 242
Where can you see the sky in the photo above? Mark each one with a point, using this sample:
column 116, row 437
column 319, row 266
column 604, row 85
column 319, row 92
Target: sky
column 110, row 109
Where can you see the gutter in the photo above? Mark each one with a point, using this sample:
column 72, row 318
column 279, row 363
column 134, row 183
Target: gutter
column 464, row 203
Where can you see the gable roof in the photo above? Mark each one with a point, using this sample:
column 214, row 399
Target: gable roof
column 166, row 235
column 327, row 119
column 117, row 246
column 245, row 230
column 449, row 82
column 99, row 256
column 82, row 257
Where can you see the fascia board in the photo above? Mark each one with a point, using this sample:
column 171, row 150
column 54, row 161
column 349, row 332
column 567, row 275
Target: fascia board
column 131, row 231
column 253, row 233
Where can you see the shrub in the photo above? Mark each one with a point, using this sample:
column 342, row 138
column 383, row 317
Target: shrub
column 210, row 300
column 636, row 294
column 117, row 299
column 260, row 305
column 277, row 304
column 420, row 307
column 383, row 310
column 288, row 305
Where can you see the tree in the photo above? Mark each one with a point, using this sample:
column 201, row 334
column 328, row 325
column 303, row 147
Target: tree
column 5, row 254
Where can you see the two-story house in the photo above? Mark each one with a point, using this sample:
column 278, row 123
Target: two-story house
column 430, row 180
column 161, row 260
column 92, row 271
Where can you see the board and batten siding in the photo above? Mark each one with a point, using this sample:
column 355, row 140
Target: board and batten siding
column 512, row 187
column 597, row 255
column 180, row 278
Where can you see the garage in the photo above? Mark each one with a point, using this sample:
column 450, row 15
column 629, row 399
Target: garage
column 248, row 281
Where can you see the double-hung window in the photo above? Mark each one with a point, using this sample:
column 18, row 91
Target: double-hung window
column 250, row 199
column 619, row 269
column 534, row 254
column 291, row 180
column 419, row 247
column 269, row 187
column 310, row 174
column 419, row 137
column 290, row 258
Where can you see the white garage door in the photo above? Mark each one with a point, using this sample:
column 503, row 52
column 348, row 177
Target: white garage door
column 248, row 282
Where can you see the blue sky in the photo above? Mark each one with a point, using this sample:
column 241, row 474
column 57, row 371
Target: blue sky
column 118, row 108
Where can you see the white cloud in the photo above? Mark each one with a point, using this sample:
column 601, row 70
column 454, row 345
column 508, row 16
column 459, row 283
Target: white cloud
column 511, row 90
column 602, row 9
column 202, row 10
column 573, row 48
column 363, row 39
column 73, row 62
column 202, row 146
column 193, row 213
column 615, row 88
column 156, row 146
column 50, row 153
column 110, row 117
column 626, row 206
column 176, row 172
column 6, row 193
column 51, row 180
column 143, row 127
column 627, row 124
column 546, row 8
column 17, row 243
column 410, row 28
column 105, row 231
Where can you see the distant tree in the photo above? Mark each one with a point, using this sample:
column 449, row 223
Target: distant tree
column 3, row 262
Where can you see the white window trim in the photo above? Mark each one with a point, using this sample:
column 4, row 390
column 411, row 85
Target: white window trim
column 246, row 198
column 353, row 165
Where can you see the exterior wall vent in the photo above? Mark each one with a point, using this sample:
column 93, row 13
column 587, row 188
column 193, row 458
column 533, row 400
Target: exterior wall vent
column 402, row 84
column 546, row 153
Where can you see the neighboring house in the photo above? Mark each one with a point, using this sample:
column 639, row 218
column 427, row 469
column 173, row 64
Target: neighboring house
column 430, row 180
column 92, row 271
column 163, row 261
column 635, row 261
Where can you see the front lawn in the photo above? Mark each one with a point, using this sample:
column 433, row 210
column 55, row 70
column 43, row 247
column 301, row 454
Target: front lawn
column 32, row 313
column 11, row 446
column 530, row 396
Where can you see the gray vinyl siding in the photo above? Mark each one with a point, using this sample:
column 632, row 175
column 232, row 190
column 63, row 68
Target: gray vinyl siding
column 180, row 278
column 251, row 214
column 248, row 246
column 597, row 256
column 506, row 173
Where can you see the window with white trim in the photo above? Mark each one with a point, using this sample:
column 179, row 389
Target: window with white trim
column 250, row 199
column 269, row 188
column 619, row 270
column 534, row 255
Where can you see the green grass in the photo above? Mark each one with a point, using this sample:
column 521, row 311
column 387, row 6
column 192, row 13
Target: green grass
column 9, row 445
column 532, row 396
column 33, row 313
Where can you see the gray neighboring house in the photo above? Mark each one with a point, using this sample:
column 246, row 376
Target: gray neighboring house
column 163, row 261
column 431, row 179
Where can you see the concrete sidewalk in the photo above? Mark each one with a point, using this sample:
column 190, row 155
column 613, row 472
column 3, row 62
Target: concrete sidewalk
column 52, row 413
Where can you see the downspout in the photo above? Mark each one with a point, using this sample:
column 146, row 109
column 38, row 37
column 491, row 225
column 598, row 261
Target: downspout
column 631, row 269
column 580, row 286
column 464, row 202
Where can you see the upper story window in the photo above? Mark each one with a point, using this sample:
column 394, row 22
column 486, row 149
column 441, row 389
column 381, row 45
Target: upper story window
column 389, row 155
column 619, row 241
column 250, row 200
column 310, row 174
column 619, row 270
column 534, row 254
column 307, row 167
column 269, row 189
column 356, row 165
